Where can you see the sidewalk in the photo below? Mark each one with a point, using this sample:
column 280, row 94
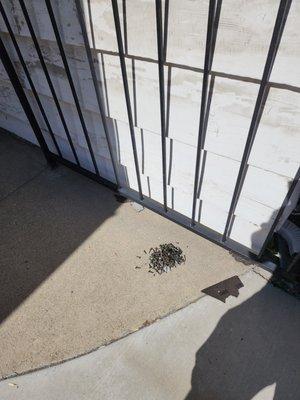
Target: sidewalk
column 74, row 274
column 245, row 349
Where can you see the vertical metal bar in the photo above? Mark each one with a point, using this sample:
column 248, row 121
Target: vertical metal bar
column 160, row 51
column 209, row 100
column 170, row 162
column 134, row 93
column 125, row 25
column 207, row 111
column 71, row 83
column 35, row 94
column 91, row 23
column 10, row 70
column 126, row 92
column 169, row 82
column 105, row 85
column 166, row 24
column 282, row 14
column 280, row 212
column 47, row 75
column 95, row 82
column 143, row 151
column 215, row 30
column 207, row 65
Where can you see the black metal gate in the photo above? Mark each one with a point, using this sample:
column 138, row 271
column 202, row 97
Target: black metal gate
column 162, row 29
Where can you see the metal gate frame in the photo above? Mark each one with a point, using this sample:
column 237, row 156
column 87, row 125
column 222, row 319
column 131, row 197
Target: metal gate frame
column 162, row 29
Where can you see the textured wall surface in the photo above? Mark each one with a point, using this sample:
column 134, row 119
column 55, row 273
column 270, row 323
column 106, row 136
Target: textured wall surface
column 243, row 39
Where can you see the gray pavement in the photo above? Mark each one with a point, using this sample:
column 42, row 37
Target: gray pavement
column 248, row 348
column 71, row 278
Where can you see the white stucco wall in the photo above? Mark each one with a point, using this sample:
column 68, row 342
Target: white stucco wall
column 243, row 38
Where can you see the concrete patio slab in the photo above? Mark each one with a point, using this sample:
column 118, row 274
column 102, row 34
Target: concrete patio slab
column 19, row 163
column 245, row 349
column 68, row 276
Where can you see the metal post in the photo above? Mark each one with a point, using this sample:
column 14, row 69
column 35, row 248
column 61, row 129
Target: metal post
column 11, row 72
column 215, row 31
column 282, row 14
column 126, row 91
column 166, row 24
column 97, row 91
column 124, row 9
column 169, row 82
column 207, row 66
column 160, row 50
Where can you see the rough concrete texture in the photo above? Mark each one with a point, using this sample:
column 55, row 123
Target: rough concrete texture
column 245, row 349
column 17, row 170
column 68, row 257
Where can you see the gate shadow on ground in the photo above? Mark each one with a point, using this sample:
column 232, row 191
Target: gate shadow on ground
column 44, row 216
column 254, row 345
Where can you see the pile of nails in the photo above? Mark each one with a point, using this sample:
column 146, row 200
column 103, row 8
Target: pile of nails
column 165, row 257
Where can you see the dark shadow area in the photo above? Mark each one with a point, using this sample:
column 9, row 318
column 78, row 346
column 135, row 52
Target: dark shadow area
column 254, row 345
column 44, row 216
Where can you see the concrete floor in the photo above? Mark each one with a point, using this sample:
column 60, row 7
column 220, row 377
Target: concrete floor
column 68, row 280
column 245, row 349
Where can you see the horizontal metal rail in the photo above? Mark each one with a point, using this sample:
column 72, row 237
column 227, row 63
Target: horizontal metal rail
column 216, row 73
